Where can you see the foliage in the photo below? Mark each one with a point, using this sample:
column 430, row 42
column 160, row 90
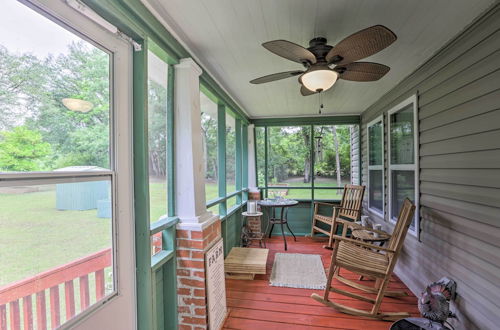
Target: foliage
column 22, row 149
column 157, row 129
column 289, row 152
column 31, row 94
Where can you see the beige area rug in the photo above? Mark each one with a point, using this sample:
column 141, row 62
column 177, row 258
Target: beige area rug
column 296, row 270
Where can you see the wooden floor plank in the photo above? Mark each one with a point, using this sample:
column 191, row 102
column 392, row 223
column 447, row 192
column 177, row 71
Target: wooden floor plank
column 256, row 305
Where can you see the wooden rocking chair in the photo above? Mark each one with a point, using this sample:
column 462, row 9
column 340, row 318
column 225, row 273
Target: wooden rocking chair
column 369, row 260
column 348, row 211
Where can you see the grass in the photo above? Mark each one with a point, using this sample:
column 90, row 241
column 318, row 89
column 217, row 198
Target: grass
column 35, row 236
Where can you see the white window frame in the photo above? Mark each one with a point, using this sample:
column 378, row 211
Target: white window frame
column 405, row 167
column 376, row 167
column 122, row 300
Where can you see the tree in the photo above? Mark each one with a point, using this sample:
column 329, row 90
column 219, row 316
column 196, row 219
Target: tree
column 22, row 149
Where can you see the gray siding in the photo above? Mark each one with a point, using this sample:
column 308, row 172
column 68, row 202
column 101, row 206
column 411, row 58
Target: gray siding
column 354, row 131
column 459, row 133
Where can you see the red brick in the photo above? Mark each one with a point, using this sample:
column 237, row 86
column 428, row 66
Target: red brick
column 194, row 320
column 199, row 293
column 184, row 253
column 185, row 327
column 186, row 263
column 193, row 283
column 200, row 311
column 183, row 272
column 197, row 235
column 200, row 328
column 183, row 309
column 182, row 233
column 184, row 291
column 190, row 244
column 197, row 255
column 194, row 301
column 199, row 274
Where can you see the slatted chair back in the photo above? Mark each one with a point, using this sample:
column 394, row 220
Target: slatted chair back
column 405, row 218
column 352, row 199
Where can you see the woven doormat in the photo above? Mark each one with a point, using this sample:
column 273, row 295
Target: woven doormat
column 296, row 270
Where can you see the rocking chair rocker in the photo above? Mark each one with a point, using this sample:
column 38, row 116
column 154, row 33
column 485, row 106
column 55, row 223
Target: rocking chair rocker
column 368, row 260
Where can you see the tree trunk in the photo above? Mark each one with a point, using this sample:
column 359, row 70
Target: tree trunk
column 337, row 156
column 307, row 158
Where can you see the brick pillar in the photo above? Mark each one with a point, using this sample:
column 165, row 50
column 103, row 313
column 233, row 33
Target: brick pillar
column 254, row 224
column 191, row 286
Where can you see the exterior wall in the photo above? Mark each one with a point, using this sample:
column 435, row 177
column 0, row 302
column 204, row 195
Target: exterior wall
column 459, row 126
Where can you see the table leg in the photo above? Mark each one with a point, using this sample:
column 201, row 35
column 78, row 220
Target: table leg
column 281, row 223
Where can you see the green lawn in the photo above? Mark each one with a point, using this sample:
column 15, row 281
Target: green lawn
column 35, row 236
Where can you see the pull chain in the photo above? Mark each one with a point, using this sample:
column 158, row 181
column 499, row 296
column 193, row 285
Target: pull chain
column 320, row 98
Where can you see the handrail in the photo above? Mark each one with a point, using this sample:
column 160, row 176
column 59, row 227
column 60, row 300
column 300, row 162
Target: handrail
column 55, row 276
column 33, row 290
column 162, row 224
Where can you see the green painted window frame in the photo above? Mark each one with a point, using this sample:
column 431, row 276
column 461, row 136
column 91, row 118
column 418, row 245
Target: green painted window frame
column 241, row 163
column 310, row 122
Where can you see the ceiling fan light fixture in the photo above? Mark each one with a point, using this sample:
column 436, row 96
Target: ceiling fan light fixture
column 319, row 79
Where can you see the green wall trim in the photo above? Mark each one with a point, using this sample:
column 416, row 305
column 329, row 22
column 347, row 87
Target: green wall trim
column 238, row 163
column 141, row 192
column 170, row 142
column 221, row 155
column 293, row 121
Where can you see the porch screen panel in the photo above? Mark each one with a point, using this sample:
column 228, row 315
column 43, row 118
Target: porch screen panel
column 157, row 137
column 230, row 153
column 260, row 155
column 332, row 160
column 376, row 166
column 289, row 160
column 209, row 139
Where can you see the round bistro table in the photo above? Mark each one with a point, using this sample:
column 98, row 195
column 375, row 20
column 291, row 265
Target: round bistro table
column 272, row 205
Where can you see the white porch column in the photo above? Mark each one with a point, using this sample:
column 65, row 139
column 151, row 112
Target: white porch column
column 252, row 176
column 189, row 169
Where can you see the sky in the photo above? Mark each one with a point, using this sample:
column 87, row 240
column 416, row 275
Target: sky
column 24, row 30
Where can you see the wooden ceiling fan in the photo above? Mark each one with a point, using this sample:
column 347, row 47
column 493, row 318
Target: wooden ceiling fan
column 324, row 64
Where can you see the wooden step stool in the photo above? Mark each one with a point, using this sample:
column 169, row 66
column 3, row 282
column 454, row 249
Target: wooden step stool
column 244, row 263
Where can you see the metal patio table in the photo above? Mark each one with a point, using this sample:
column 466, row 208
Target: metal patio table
column 272, row 205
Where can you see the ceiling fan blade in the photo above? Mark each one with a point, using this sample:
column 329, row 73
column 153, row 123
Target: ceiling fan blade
column 306, row 92
column 362, row 71
column 290, row 51
column 275, row 76
column 360, row 45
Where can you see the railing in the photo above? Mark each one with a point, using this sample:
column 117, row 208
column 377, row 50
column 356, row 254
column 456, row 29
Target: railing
column 34, row 288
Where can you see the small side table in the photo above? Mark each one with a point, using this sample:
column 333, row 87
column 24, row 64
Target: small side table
column 367, row 235
column 252, row 228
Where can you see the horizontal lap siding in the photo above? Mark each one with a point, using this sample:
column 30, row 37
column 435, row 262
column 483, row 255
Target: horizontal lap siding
column 459, row 128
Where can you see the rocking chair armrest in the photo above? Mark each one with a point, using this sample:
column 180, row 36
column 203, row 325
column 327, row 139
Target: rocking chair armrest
column 327, row 204
column 361, row 243
column 381, row 232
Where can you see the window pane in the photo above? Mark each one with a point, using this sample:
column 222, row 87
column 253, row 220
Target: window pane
column 61, row 230
column 231, row 202
column 209, row 138
column 402, row 136
column 290, row 193
column 289, row 156
column 230, row 154
column 375, row 139
column 332, row 156
column 54, row 98
column 260, row 154
column 376, row 190
column 157, row 135
column 402, row 186
column 328, row 194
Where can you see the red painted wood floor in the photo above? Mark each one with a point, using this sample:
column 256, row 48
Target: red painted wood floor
column 256, row 305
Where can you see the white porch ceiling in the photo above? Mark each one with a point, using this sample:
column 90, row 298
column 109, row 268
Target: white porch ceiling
column 226, row 37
